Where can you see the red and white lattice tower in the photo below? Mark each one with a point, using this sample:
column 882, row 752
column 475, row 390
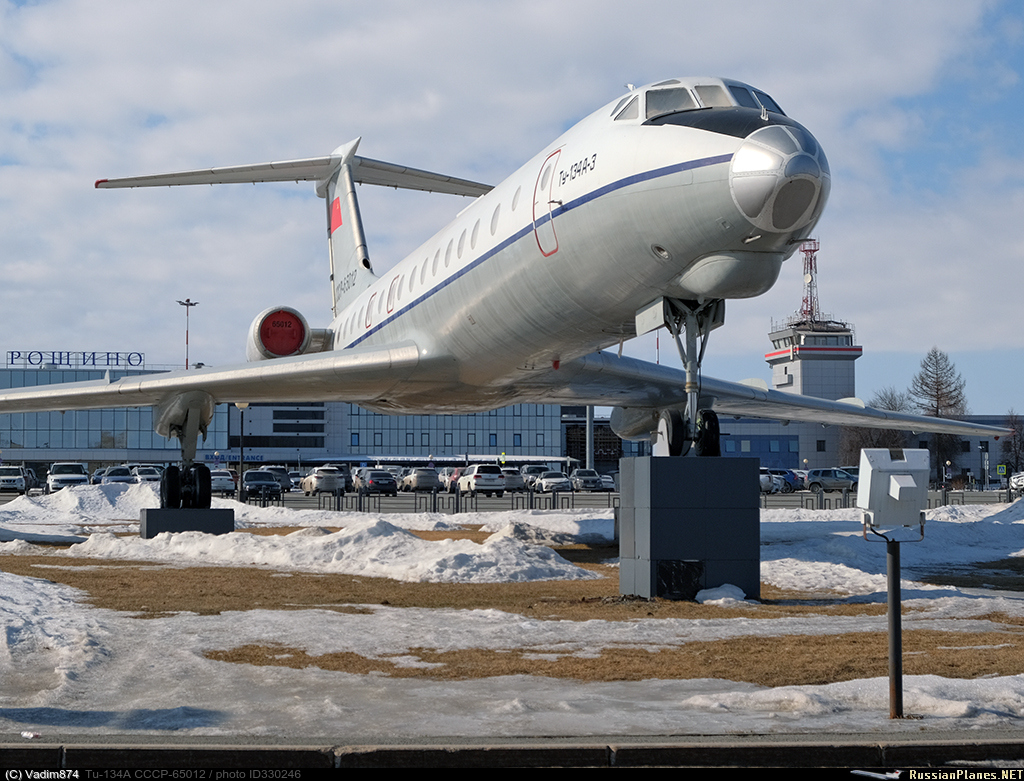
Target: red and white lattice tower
column 809, row 311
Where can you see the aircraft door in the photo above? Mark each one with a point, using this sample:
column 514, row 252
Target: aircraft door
column 543, row 204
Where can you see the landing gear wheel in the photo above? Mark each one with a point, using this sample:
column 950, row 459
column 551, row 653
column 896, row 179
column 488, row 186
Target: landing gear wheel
column 202, row 492
column 707, row 439
column 672, row 427
column 170, row 489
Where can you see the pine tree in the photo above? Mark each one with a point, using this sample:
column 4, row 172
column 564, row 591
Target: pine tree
column 938, row 390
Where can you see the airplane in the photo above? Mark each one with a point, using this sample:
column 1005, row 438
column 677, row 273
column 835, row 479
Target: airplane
column 651, row 212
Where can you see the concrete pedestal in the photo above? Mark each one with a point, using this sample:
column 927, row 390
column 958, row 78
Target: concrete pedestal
column 687, row 524
column 153, row 521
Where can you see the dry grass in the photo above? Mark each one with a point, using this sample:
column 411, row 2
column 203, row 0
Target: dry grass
column 149, row 590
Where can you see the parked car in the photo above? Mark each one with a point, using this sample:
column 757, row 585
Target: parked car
column 262, row 483
column 482, row 478
column 552, row 481
column 222, row 482
column 421, row 478
column 65, row 473
column 376, row 481
column 790, row 482
column 323, row 480
column 608, row 482
column 830, row 480
column 281, row 474
column 97, row 476
column 514, row 482
column 145, row 474
column 118, row 474
column 1017, row 482
column 453, row 479
column 531, row 472
column 586, row 480
column 769, row 485
column 296, row 478
column 13, row 478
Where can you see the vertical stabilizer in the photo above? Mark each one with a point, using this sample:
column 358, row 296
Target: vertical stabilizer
column 351, row 272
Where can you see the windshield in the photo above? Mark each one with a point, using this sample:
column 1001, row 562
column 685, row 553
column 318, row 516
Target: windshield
column 68, row 469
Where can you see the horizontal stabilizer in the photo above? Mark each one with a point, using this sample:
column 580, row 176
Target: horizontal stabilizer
column 364, row 171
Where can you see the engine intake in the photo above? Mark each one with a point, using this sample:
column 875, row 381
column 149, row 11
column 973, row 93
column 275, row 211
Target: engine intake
column 281, row 331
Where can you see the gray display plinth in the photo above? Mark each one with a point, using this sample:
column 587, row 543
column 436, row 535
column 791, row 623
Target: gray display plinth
column 687, row 524
column 152, row 522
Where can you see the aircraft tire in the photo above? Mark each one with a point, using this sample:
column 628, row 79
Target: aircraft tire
column 170, row 488
column 202, row 493
column 673, row 428
column 708, row 434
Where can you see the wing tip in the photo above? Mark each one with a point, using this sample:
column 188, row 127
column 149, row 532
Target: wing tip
column 100, row 183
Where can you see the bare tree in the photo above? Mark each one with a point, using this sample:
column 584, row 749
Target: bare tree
column 938, row 390
column 1013, row 445
column 852, row 440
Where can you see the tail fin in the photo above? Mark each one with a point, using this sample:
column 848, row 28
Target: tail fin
column 351, row 271
column 335, row 176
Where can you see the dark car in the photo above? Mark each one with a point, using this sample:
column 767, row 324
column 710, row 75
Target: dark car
column 260, row 482
column 377, row 481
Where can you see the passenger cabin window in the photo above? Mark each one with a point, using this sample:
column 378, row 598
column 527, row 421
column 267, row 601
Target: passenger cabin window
column 669, row 101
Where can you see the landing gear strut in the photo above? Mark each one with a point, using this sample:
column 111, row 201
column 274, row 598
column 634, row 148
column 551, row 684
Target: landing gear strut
column 697, row 426
column 188, row 486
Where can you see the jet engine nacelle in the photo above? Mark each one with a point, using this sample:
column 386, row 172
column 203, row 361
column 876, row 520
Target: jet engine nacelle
column 281, row 331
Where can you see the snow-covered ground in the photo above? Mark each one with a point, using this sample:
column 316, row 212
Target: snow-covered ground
column 66, row 667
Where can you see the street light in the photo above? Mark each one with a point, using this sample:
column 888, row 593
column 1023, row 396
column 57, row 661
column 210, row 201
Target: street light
column 188, row 303
column 241, row 405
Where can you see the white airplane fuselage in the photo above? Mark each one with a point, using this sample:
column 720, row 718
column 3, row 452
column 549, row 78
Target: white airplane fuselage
column 555, row 261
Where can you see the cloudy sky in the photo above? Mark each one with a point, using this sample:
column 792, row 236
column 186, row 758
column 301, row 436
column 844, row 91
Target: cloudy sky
column 917, row 104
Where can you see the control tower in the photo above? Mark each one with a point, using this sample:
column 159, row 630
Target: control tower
column 812, row 353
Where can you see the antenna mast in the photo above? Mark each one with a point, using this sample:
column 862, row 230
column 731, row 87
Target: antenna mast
column 809, row 311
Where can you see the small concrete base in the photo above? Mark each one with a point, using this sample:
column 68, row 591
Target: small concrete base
column 152, row 521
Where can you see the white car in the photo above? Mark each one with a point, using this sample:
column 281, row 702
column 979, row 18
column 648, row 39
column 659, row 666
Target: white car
column 323, row 480
column 221, row 481
column 1017, row 482
column 13, row 478
column 65, row 473
column 486, row 479
column 552, row 481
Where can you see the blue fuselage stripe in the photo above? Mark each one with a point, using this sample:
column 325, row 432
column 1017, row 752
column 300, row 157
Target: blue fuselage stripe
column 627, row 181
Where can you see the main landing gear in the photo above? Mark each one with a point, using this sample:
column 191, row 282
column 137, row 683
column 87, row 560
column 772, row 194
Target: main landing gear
column 188, row 490
column 185, row 417
column 675, row 434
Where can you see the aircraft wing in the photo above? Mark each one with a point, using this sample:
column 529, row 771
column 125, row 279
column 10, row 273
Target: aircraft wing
column 353, row 375
column 604, row 379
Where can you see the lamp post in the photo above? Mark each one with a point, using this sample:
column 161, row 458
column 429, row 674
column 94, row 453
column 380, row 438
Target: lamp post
column 188, row 303
column 241, row 405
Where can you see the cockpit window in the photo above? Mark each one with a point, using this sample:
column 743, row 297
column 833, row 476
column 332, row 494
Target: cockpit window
column 666, row 101
column 632, row 111
column 768, row 103
column 743, row 97
column 619, row 105
column 712, row 96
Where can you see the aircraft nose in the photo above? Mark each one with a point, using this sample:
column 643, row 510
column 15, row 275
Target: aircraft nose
column 780, row 178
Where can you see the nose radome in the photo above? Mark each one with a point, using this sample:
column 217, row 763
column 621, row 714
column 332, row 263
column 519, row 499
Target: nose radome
column 780, row 178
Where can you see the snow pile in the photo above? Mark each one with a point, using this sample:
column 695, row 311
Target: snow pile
column 371, row 547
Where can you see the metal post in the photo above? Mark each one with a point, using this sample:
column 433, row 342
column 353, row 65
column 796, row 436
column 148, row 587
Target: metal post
column 892, row 567
column 590, row 437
